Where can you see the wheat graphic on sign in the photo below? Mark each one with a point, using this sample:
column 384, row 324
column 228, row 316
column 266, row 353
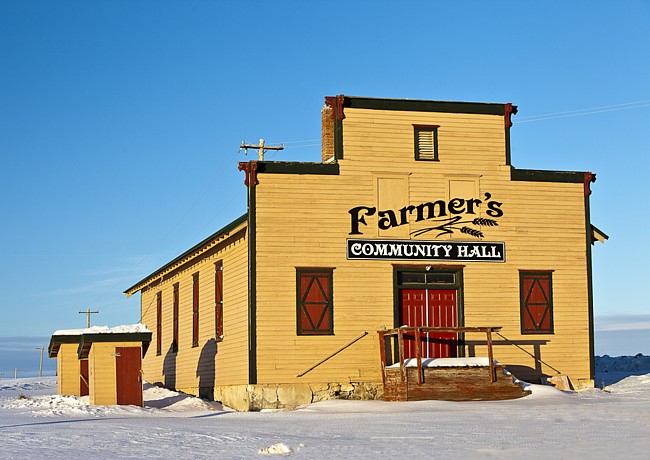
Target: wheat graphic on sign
column 447, row 226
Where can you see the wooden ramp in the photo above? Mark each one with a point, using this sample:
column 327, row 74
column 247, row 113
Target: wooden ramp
column 449, row 379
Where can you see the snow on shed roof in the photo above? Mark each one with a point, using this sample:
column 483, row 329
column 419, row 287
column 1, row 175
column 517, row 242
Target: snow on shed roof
column 125, row 329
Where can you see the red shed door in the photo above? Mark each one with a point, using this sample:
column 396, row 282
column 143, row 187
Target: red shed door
column 430, row 308
column 127, row 369
column 83, row 378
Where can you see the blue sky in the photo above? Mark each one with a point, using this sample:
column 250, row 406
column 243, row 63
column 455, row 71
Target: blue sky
column 120, row 123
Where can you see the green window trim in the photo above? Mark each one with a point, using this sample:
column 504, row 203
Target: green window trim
column 536, row 301
column 195, row 310
column 218, row 300
column 314, row 301
column 175, row 311
column 159, row 323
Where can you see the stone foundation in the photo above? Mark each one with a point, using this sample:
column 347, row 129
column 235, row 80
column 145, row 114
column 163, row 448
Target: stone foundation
column 291, row 395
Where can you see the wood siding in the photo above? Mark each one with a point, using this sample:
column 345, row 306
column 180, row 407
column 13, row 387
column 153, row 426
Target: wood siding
column 68, row 370
column 303, row 221
column 211, row 362
column 101, row 370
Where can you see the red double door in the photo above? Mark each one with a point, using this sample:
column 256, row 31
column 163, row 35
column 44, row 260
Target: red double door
column 430, row 308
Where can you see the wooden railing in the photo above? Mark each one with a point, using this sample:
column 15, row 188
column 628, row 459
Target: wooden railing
column 417, row 332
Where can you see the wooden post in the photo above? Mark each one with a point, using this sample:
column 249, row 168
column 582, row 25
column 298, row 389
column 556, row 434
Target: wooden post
column 493, row 374
column 40, row 365
column 88, row 313
column 400, row 346
column 382, row 353
column 418, row 352
column 261, row 148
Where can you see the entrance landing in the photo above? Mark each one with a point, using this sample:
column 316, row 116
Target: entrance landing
column 449, row 379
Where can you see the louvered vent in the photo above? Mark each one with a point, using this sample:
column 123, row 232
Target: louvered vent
column 426, row 142
column 426, row 145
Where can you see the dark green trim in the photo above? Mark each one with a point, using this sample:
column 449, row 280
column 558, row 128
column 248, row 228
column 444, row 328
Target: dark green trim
column 417, row 129
column 330, row 297
column 416, row 105
column 508, row 152
column 590, row 291
column 118, row 337
column 252, row 287
column 535, row 175
column 226, row 229
column 289, row 167
column 88, row 339
column 522, row 301
column 57, row 340
column 338, row 139
column 458, row 285
column 596, row 229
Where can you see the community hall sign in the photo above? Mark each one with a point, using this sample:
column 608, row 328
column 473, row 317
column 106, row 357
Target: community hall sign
column 446, row 217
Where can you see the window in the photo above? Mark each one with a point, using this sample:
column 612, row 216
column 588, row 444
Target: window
column 159, row 323
column 536, row 291
column 426, row 142
column 175, row 301
column 218, row 300
column 314, row 301
column 195, row 310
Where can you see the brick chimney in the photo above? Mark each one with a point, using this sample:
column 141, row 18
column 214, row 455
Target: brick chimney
column 327, row 116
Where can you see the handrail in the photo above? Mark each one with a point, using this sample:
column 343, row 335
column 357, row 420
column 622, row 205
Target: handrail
column 333, row 354
column 399, row 331
column 395, row 331
column 527, row 352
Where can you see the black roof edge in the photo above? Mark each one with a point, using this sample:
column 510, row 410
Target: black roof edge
column 88, row 339
column 535, row 175
column 57, row 340
column 117, row 337
column 235, row 223
column 297, row 167
column 605, row 235
column 419, row 105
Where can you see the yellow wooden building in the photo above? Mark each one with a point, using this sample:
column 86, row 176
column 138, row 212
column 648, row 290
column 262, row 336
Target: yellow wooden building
column 415, row 216
column 72, row 372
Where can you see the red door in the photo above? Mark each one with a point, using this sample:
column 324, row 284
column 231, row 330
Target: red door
column 430, row 308
column 127, row 370
column 442, row 313
column 83, row 378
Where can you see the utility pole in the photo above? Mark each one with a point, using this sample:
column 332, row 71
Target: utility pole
column 88, row 313
column 15, row 370
column 261, row 148
column 40, row 365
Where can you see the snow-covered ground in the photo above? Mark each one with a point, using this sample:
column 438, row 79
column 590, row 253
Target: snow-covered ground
column 35, row 423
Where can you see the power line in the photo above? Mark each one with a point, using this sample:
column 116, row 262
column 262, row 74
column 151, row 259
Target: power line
column 182, row 218
column 300, row 142
column 302, row 146
column 110, row 286
column 579, row 112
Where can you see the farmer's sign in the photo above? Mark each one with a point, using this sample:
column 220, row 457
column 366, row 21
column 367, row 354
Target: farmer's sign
column 450, row 251
column 445, row 217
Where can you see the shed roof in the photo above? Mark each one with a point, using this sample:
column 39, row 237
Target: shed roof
column 85, row 337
